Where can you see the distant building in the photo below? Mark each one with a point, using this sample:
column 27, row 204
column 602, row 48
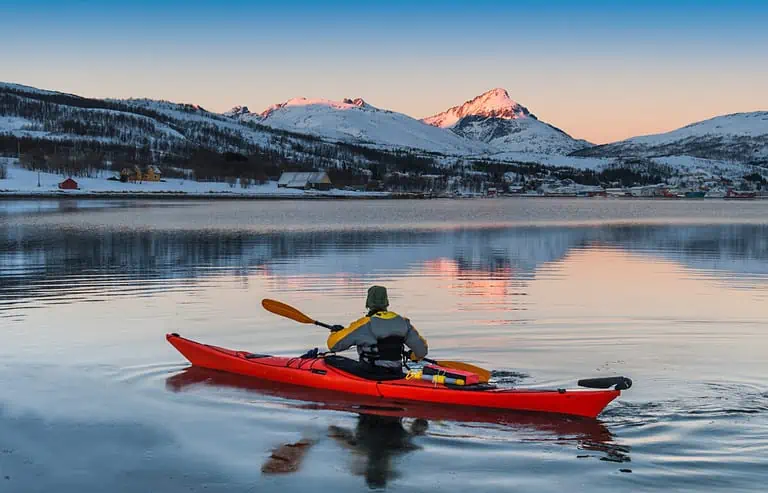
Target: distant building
column 68, row 184
column 130, row 174
column 260, row 177
column 314, row 180
column 647, row 190
column 617, row 192
column 134, row 174
column 152, row 174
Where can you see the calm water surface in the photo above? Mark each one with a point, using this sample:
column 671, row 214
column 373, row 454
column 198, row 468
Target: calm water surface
column 544, row 292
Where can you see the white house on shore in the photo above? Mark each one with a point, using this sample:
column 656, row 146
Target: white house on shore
column 314, row 180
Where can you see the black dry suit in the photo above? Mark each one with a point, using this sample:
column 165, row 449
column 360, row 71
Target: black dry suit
column 379, row 338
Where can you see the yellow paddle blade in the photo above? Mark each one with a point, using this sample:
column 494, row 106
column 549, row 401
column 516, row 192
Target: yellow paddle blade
column 287, row 311
column 484, row 374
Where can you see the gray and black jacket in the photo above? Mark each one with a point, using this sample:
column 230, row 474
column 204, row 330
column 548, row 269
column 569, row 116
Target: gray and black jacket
column 379, row 338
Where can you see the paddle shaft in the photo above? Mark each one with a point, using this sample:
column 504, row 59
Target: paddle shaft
column 431, row 361
column 484, row 374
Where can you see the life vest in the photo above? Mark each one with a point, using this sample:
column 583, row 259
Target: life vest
column 387, row 351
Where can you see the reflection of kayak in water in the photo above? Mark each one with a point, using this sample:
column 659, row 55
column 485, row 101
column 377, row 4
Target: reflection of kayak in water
column 565, row 427
column 383, row 434
column 332, row 373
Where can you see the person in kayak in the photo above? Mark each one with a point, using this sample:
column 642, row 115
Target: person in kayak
column 380, row 336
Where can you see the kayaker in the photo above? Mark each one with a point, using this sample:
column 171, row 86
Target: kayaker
column 380, row 336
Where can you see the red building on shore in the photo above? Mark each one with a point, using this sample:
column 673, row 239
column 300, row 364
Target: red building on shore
column 68, row 184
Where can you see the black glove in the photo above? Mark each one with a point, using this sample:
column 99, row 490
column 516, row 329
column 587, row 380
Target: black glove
column 336, row 328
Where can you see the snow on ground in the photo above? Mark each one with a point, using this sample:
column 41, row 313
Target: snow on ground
column 686, row 165
column 21, row 181
column 593, row 163
column 22, row 127
column 177, row 111
column 14, row 124
column 193, row 114
column 697, row 166
column 159, row 126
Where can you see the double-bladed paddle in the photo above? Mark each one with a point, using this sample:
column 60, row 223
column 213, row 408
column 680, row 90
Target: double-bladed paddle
column 287, row 311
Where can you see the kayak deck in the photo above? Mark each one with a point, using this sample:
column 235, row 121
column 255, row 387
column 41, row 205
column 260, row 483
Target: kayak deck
column 316, row 373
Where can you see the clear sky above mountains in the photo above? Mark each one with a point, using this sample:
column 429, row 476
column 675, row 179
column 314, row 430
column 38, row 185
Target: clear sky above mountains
column 599, row 70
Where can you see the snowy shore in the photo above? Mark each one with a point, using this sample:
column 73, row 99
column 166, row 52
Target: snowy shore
column 21, row 183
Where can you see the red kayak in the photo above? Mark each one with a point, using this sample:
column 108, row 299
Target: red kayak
column 590, row 433
column 325, row 372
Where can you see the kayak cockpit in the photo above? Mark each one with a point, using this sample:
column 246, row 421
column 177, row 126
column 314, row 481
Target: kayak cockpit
column 348, row 365
column 355, row 368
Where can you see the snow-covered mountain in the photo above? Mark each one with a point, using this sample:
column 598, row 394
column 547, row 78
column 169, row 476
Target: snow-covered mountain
column 344, row 104
column 238, row 111
column 317, row 133
column 737, row 137
column 148, row 129
column 505, row 125
column 495, row 103
column 357, row 122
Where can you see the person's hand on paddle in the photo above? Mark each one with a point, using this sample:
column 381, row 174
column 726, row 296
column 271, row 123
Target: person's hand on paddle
column 409, row 354
column 336, row 328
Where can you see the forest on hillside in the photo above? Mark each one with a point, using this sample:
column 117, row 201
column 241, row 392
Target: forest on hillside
column 75, row 136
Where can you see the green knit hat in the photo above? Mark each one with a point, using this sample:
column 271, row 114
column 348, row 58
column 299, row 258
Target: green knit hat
column 377, row 298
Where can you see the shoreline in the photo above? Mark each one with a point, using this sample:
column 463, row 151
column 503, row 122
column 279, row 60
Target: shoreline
column 201, row 196
column 214, row 196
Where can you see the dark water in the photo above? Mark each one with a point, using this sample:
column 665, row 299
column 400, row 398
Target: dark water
column 544, row 292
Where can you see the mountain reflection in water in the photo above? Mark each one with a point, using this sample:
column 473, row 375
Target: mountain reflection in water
column 41, row 263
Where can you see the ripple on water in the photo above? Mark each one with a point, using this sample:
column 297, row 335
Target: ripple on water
column 658, row 291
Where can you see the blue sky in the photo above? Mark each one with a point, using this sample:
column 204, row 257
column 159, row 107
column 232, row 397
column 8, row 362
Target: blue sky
column 599, row 70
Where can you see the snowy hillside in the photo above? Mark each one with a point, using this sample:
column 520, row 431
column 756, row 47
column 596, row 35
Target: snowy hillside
column 199, row 121
column 34, row 113
column 162, row 127
column 355, row 121
column 737, row 137
column 518, row 135
column 158, row 129
column 505, row 125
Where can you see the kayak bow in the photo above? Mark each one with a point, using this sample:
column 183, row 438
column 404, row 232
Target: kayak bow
column 318, row 373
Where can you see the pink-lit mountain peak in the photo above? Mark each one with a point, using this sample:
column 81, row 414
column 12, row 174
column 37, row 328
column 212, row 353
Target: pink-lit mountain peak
column 345, row 104
column 495, row 103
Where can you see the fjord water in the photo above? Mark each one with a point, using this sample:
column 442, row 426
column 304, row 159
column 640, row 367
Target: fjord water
column 544, row 292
